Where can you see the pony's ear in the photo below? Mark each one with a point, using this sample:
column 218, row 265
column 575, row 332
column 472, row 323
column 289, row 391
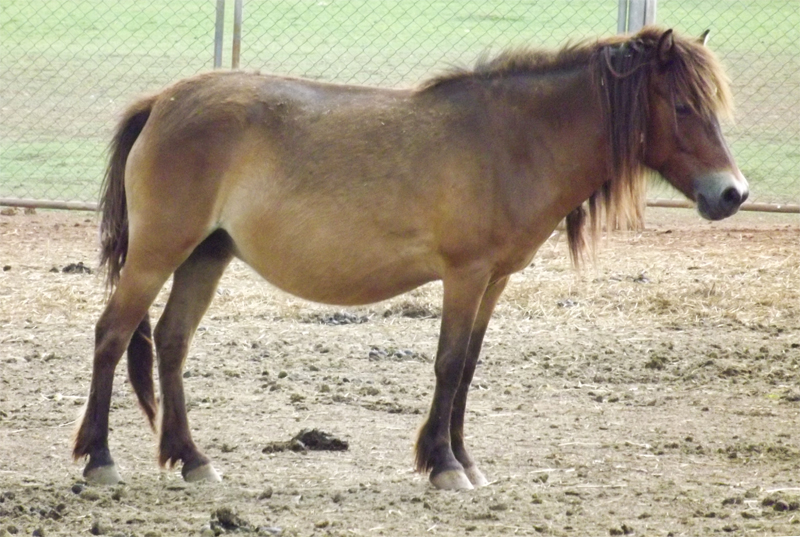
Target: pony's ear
column 665, row 48
column 704, row 38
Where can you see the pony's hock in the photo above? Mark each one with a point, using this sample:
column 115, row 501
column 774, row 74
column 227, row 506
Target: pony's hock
column 459, row 180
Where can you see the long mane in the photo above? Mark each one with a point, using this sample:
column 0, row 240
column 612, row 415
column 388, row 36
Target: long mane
column 620, row 68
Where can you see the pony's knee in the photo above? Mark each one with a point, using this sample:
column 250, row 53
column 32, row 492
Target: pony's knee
column 109, row 343
column 168, row 327
column 113, row 332
column 171, row 345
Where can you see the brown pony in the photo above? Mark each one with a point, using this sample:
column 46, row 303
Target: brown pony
column 459, row 180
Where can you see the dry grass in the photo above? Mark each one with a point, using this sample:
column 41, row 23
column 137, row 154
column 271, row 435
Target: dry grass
column 674, row 278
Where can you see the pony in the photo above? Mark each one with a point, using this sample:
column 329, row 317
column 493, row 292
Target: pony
column 460, row 179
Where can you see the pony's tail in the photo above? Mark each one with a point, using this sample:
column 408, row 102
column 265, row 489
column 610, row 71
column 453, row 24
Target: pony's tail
column 140, row 369
column 113, row 203
column 583, row 223
column 114, row 247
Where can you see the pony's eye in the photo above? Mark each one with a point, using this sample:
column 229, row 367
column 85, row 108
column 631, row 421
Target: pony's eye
column 683, row 109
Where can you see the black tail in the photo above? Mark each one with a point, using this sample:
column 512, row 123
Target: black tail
column 113, row 203
column 140, row 369
column 114, row 247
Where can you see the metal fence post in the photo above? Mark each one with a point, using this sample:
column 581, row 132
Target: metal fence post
column 219, row 30
column 650, row 11
column 622, row 16
column 632, row 15
column 237, row 33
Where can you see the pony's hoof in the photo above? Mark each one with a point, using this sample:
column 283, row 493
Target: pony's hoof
column 102, row 475
column 476, row 477
column 451, row 480
column 202, row 473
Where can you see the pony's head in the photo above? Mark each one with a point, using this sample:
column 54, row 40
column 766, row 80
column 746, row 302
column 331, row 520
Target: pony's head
column 674, row 91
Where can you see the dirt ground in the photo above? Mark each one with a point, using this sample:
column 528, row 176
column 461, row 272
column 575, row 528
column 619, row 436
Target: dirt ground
column 655, row 393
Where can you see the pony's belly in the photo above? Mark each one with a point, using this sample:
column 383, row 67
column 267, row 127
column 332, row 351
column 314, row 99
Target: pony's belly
column 348, row 284
column 352, row 269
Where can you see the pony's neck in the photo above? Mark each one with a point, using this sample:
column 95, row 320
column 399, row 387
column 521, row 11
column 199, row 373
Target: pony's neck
column 558, row 131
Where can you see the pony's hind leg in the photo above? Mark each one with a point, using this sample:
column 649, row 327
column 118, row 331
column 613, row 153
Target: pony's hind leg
column 488, row 303
column 124, row 312
column 193, row 288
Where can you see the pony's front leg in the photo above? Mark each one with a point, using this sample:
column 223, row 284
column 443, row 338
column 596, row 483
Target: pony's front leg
column 462, row 296
column 488, row 303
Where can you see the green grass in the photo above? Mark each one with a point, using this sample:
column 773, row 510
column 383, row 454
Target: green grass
column 759, row 43
column 67, row 68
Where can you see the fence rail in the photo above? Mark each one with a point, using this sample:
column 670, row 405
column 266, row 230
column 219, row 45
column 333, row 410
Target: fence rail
column 70, row 66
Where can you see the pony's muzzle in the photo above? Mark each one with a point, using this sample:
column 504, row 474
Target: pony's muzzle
column 719, row 195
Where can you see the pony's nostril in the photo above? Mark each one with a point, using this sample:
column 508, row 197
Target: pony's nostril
column 731, row 197
column 745, row 196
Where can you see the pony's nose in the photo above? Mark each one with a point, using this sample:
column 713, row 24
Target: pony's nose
column 732, row 198
column 719, row 195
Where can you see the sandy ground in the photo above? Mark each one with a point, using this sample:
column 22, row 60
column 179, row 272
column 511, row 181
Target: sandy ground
column 655, row 393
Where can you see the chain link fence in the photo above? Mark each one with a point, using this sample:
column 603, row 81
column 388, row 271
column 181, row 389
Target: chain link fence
column 69, row 67
column 759, row 43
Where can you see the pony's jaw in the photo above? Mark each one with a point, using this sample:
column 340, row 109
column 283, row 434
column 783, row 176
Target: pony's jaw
column 719, row 195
